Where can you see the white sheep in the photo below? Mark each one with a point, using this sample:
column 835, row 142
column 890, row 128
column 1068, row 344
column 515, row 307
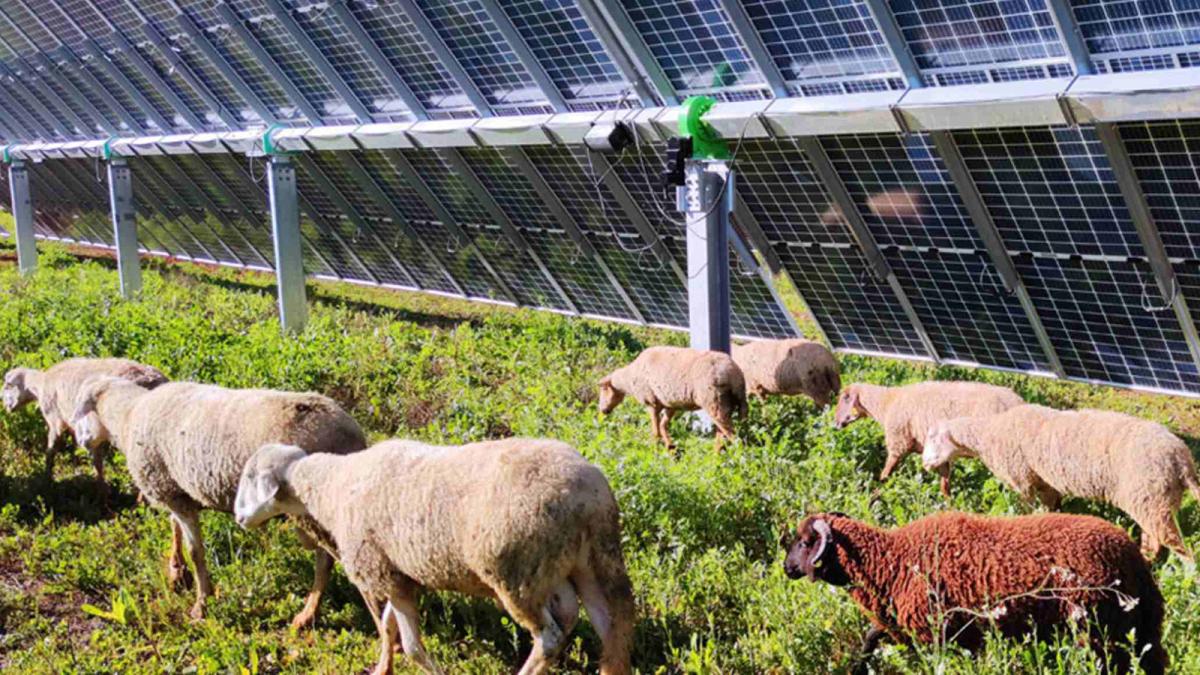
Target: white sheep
column 669, row 379
column 185, row 445
column 1134, row 464
column 55, row 388
column 907, row 413
column 789, row 367
column 527, row 522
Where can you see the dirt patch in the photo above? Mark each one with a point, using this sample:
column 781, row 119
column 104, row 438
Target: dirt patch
column 16, row 582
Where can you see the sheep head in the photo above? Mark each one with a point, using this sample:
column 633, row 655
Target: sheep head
column 849, row 407
column 942, row 445
column 16, row 391
column 89, row 429
column 263, row 490
column 813, row 552
column 610, row 396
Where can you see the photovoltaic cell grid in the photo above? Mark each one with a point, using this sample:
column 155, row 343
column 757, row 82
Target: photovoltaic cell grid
column 970, row 41
column 1164, row 155
column 756, row 312
column 825, row 46
column 566, row 47
column 581, row 278
column 655, row 291
column 696, row 46
column 779, row 186
column 1126, row 35
column 902, row 190
column 398, row 38
column 519, row 271
column 1096, row 315
column 483, row 52
column 1050, row 190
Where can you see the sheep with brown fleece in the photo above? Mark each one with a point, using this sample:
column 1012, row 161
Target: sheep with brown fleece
column 669, row 379
column 55, row 388
column 950, row 576
column 527, row 522
column 1134, row 464
column 789, row 367
column 907, row 413
column 185, row 445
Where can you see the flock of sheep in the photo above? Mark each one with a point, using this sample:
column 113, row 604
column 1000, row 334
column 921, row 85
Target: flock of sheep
column 534, row 526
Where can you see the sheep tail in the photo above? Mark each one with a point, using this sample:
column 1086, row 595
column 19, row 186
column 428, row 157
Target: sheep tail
column 608, row 569
column 1192, row 482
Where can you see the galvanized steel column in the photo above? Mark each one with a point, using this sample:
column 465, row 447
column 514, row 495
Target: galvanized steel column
column 124, row 220
column 285, row 231
column 22, row 213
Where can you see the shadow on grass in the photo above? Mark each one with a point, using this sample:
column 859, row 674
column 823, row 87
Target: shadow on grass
column 75, row 499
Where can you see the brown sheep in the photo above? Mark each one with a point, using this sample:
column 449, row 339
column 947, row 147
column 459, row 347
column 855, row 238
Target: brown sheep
column 907, row 413
column 186, row 444
column 54, row 389
column 668, row 379
column 948, row 576
column 527, row 522
column 1134, row 464
column 789, row 367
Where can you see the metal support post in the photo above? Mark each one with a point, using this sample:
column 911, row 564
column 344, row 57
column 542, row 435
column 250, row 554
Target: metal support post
column 124, row 219
column 285, row 231
column 706, row 200
column 22, row 213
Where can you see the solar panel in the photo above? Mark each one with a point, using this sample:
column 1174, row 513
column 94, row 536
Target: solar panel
column 973, row 41
column 1133, row 36
column 825, row 46
column 484, row 53
column 570, row 52
column 396, row 35
column 1107, row 323
column 856, row 311
column 1050, row 190
column 696, row 45
column 1163, row 155
column 518, row 270
column 584, row 282
column 655, row 290
column 902, row 190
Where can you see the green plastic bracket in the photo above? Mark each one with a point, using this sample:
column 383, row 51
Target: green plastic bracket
column 6, row 158
column 706, row 142
column 268, row 142
column 106, row 151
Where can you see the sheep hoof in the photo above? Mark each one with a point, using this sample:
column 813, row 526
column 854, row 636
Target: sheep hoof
column 179, row 577
column 197, row 612
column 303, row 621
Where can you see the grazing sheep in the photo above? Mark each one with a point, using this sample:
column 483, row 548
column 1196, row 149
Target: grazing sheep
column 185, row 445
column 789, row 367
column 949, row 576
column 668, row 379
column 907, row 413
column 1134, row 464
column 527, row 522
column 55, row 388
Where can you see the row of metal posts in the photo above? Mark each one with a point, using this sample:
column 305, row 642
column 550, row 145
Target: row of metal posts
column 285, row 231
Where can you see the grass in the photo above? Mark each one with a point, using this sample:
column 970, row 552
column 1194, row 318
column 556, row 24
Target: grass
column 700, row 529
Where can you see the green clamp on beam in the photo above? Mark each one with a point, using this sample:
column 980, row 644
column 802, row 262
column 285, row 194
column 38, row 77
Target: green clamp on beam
column 268, row 143
column 706, row 142
column 7, row 157
column 106, row 151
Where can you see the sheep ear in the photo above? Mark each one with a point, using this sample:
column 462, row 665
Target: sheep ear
column 15, row 378
column 824, row 534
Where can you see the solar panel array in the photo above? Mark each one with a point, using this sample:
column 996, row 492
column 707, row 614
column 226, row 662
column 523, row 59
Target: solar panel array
column 1019, row 250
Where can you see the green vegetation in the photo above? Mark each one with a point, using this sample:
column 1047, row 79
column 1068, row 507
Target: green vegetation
column 82, row 588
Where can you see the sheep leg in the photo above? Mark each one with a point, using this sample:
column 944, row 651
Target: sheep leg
column 404, row 613
column 1162, row 531
column 178, row 575
column 387, row 638
column 893, row 460
column 663, row 431
column 870, row 642
column 56, row 442
column 322, row 569
column 101, row 483
column 548, row 641
column 654, row 425
column 663, row 422
column 724, row 422
column 190, row 521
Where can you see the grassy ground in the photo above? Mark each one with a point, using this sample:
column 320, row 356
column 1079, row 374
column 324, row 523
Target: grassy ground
column 701, row 529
